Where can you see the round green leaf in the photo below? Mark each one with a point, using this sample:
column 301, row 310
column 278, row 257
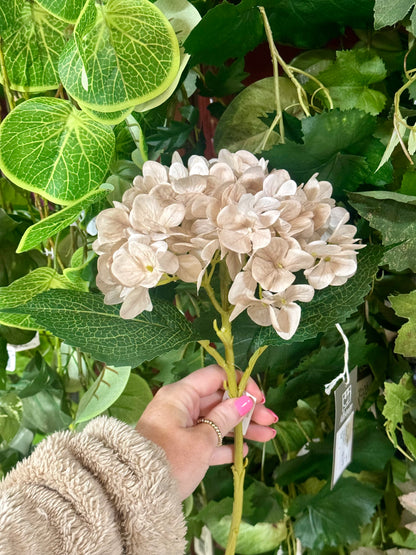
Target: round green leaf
column 68, row 10
column 124, row 52
column 106, row 389
column 32, row 47
column 183, row 17
column 48, row 146
column 240, row 127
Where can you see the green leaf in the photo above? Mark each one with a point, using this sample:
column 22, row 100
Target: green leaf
column 9, row 13
column 83, row 320
column 31, row 48
column 226, row 81
column 183, row 17
column 51, row 225
column 241, row 126
column 405, row 306
column 11, row 412
column 226, row 31
column 42, row 413
column 130, row 405
column 23, row 290
column 329, row 146
column 394, row 215
column 397, row 395
column 312, row 24
column 349, row 77
column 334, row 517
column 50, row 147
column 388, row 13
column 106, row 389
column 124, row 52
column 331, row 305
column 68, row 10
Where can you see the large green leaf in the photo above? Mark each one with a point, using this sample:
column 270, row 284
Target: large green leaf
column 405, row 306
column 387, row 13
column 334, row 517
column 338, row 145
column 83, row 320
column 331, row 305
column 124, row 52
column 349, row 77
column 51, row 225
column 106, row 389
column 23, row 289
column 394, row 215
column 130, row 405
column 9, row 12
column 50, row 147
column 11, row 412
column 240, row 127
column 32, row 47
column 183, row 17
column 397, row 395
column 68, row 10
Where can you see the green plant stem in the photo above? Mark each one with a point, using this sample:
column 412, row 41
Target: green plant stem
column 5, row 77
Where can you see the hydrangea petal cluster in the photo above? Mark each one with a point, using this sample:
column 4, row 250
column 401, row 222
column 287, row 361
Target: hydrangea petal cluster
column 280, row 241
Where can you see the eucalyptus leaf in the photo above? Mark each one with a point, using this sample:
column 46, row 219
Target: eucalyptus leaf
column 83, row 320
column 331, row 305
column 50, row 226
column 241, row 126
column 49, row 147
column 67, row 11
column 31, row 48
column 106, row 389
column 124, row 52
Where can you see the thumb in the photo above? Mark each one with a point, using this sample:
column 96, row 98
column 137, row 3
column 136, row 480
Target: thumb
column 228, row 414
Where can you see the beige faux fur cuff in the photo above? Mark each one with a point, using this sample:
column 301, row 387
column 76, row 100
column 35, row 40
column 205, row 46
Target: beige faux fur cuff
column 103, row 491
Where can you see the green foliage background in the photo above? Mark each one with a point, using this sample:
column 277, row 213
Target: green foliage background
column 89, row 91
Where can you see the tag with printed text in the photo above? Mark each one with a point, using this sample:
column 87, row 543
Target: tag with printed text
column 345, row 403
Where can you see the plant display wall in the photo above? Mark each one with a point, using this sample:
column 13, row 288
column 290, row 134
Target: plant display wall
column 91, row 90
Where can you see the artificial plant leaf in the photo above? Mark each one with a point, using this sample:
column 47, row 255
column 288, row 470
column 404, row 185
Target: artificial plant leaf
column 49, row 147
column 227, row 80
column 348, row 80
column 310, row 25
column 397, row 395
column 9, row 13
column 183, row 17
column 31, row 48
column 11, row 412
column 67, row 11
column 388, row 13
column 241, row 126
column 134, row 399
column 84, row 321
column 226, row 31
column 405, row 307
column 54, row 223
column 23, row 289
column 331, row 305
column 327, row 142
column 394, row 215
column 334, row 517
column 106, row 389
column 106, row 118
column 124, row 52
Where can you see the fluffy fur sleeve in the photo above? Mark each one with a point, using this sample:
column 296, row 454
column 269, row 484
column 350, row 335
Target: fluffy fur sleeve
column 103, row 491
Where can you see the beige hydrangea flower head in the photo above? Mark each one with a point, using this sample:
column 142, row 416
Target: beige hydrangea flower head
column 279, row 240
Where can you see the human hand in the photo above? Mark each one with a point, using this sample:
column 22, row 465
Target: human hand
column 170, row 420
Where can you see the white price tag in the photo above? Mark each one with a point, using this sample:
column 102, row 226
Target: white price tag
column 246, row 420
column 345, row 403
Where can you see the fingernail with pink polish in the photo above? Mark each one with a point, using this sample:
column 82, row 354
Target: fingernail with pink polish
column 275, row 417
column 243, row 404
column 263, row 399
